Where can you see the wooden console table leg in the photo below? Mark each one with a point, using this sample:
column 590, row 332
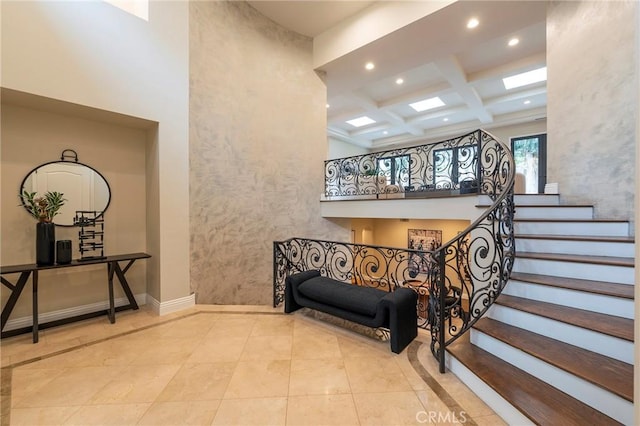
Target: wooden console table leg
column 34, row 280
column 16, row 291
column 125, row 285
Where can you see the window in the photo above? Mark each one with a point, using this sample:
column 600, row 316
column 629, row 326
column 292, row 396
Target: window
column 396, row 169
column 455, row 165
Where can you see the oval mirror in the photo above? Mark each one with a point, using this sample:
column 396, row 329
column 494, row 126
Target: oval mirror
column 84, row 188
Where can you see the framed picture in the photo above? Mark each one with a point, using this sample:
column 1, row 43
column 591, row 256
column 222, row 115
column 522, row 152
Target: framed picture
column 423, row 240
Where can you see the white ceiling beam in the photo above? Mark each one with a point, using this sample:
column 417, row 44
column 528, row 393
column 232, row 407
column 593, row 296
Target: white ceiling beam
column 453, row 72
column 415, row 95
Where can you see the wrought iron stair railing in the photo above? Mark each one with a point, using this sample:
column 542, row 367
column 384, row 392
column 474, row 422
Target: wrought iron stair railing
column 456, row 283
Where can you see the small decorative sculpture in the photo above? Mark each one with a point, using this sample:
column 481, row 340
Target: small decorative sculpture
column 91, row 234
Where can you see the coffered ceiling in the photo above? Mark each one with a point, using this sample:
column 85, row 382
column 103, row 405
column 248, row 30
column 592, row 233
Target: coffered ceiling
column 436, row 56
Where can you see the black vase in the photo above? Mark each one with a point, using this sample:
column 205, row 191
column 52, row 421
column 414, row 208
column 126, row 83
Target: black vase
column 45, row 243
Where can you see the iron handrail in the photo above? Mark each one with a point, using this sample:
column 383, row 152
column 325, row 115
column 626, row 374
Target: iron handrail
column 464, row 275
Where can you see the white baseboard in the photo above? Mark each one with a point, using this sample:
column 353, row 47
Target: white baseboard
column 44, row 317
column 164, row 308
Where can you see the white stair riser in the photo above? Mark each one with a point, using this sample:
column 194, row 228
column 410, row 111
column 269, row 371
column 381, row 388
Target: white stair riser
column 554, row 212
column 589, row 248
column 508, row 412
column 526, row 200
column 602, row 400
column 601, row 229
column 609, row 305
column 612, row 347
column 584, row 271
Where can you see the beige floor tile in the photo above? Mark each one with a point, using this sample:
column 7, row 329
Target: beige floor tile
column 412, row 376
column 195, row 382
column 176, row 413
column 27, row 381
column 225, row 325
column 136, row 384
column 360, row 346
column 166, row 351
column 179, row 367
column 437, row 412
column 273, row 325
column 257, row 379
column 105, row 415
column 318, row 377
column 41, row 415
column 375, row 374
column 321, row 410
column 72, row 387
column 251, row 412
column 315, row 346
column 388, row 408
column 227, row 348
column 267, row 347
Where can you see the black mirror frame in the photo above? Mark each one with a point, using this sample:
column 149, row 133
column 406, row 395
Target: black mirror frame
column 69, row 162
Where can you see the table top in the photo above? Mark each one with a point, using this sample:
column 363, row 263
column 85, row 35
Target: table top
column 12, row 269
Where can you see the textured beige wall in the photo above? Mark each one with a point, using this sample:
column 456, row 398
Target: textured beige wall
column 257, row 147
column 31, row 137
column 591, row 57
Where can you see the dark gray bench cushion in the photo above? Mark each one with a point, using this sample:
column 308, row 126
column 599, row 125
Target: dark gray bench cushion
column 361, row 300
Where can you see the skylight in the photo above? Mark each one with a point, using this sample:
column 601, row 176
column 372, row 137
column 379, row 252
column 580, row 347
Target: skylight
column 427, row 104
column 361, row 121
column 525, row 78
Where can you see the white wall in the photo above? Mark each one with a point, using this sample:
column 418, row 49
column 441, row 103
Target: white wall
column 96, row 55
column 340, row 149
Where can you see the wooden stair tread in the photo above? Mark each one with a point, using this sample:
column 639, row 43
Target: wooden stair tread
column 604, row 239
column 539, row 401
column 579, row 258
column 606, row 324
column 598, row 287
column 608, row 373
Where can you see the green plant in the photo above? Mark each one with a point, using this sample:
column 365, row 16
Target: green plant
column 43, row 208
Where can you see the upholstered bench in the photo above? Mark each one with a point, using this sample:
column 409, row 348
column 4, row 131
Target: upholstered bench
column 368, row 306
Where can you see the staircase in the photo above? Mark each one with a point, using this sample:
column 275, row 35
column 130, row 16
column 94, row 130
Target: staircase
column 556, row 348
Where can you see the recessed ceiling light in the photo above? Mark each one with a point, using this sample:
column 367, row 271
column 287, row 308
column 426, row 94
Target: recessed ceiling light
column 427, row 104
column 527, row 102
column 360, row 121
column 328, row 105
column 445, row 119
column 369, row 66
column 472, row 23
column 525, row 78
column 385, row 133
column 514, row 41
column 399, row 81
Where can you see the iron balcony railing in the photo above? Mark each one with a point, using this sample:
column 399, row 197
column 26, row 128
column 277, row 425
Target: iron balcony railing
column 456, row 283
column 449, row 166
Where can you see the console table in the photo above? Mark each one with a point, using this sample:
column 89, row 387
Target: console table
column 113, row 268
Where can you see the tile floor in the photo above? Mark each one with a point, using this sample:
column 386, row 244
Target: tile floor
column 213, row 365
